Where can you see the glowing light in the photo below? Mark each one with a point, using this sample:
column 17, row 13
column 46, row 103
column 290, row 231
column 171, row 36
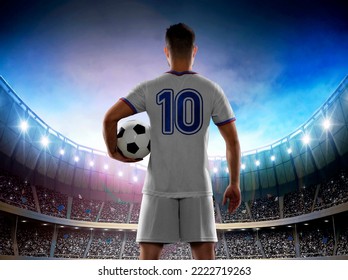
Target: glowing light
column 215, row 170
column 24, row 126
column 76, row 159
column 91, row 163
column 135, row 179
column 120, row 174
column 62, row 152
column 326, row 124
column 106, row 167
column 272, row 158
column 44, row 141
column 289, row 151
column 243, row 166
column 227, row 171
column 257, row 163
column 306, row 139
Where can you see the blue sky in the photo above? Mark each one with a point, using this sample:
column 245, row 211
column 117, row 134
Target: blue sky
column 277, row 61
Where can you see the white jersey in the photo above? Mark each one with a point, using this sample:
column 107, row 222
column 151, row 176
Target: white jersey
column 180, row 107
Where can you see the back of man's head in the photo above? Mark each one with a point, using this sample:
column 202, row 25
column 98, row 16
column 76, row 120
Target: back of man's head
column 180, row 40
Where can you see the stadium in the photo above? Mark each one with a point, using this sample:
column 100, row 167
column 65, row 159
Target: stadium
column 61, row 200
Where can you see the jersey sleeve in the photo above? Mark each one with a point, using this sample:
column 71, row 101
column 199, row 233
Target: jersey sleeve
column 136, row 99
column 222, row 112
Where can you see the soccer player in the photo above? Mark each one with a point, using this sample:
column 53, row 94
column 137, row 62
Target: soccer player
column 177, row 202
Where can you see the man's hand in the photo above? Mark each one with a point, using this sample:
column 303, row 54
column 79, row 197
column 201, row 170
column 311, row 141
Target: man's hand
column 119, row 156
column 233, row 195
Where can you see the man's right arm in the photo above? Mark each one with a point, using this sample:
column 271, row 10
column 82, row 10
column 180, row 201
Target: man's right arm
column 117, row 112
column 232, row 193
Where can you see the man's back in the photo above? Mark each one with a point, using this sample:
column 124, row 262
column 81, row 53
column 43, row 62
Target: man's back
column 180, row 107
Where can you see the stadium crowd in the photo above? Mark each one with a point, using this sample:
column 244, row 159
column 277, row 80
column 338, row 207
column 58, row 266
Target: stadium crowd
column 34, row 240
column 316, row 242
column 114, row 211
column 242, row 245
column 333, row 192
column 265, row 208
column 105, row 245
column 6, row 242
column 241, row 215
column 51, row 202
column 135, row 213
column 16, row 192
column 81, row 243
column 71, row 243
column 131, row 248
column 39, row 240
column 277, row 243
column 85, row 209
column 299, row 202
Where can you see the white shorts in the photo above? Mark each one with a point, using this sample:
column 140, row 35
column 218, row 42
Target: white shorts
column 170, row 220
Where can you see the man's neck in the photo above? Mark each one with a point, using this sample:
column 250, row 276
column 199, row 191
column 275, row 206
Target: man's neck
column 181, row 66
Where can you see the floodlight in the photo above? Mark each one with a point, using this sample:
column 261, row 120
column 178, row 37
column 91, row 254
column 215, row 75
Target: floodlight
column 61, row 152
column 243, row 166
column 135, row 179
column 326, row 124
column 76, row 159
column 272, row 158
column 289, row 151
column 24, row 126
column 306, row 139
column 257, row 163
column 120, row 174
column 215, row 170
column 45, row 141
column 91, row 163
column 106, row 167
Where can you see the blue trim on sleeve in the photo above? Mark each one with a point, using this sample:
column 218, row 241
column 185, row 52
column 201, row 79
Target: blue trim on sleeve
column 226, row 121
column 129, row 104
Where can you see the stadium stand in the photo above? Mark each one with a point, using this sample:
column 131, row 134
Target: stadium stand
column 106, row 245
column 295, row 199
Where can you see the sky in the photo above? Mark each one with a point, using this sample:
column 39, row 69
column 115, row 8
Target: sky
column 277, row 61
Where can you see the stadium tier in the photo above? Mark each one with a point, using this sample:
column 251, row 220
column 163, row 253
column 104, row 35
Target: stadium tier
column 59, row 199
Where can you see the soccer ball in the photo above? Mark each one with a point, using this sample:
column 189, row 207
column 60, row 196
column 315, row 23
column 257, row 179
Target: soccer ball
column 133, row 139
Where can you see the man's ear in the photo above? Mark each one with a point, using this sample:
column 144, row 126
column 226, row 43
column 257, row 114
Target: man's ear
column 166, row 51
column 195, row 50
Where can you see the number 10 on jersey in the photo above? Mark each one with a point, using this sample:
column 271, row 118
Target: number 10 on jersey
column 183, row 111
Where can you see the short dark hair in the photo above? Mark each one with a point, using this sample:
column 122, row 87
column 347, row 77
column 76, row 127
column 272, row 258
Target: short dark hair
column 180, row 40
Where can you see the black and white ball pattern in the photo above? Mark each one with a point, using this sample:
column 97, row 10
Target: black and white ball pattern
column 133, row 139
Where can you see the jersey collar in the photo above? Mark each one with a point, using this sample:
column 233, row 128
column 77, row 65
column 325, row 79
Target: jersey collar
column 180, row 73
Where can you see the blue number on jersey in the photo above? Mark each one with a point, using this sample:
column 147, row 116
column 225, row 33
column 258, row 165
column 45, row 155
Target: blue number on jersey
column 185, row 111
